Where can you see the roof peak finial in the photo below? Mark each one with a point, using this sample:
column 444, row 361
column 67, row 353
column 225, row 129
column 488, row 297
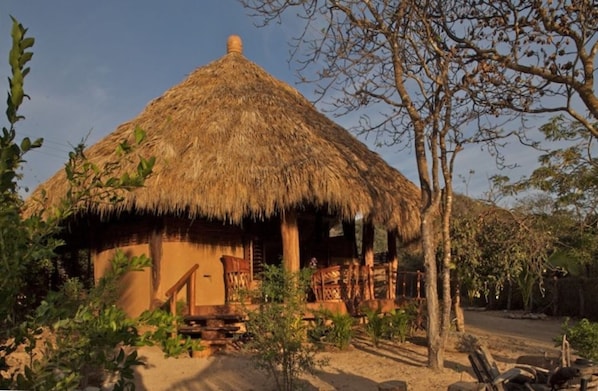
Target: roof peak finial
column 234, row 44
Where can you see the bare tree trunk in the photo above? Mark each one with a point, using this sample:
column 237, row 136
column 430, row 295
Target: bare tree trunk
column 445, row 322
column 458, row 310
column 155, row 252
column 447, row 263
column 509, row 293
column 435, row 348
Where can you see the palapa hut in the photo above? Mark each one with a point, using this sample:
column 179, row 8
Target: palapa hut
column 246, row 167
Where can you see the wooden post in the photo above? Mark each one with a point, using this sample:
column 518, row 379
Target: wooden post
column 371, row 294
column 349, row 234
column 191, row 293
column 248, row 253
column 393, row 262
column 368, row 242
column 289, row 231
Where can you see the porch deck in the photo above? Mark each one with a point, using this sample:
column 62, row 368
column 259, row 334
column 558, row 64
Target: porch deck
column 347, row 289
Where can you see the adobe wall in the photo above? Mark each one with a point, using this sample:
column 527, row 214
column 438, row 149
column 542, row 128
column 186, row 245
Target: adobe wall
column 135, row 292
column 178, row 257
column 177, row 245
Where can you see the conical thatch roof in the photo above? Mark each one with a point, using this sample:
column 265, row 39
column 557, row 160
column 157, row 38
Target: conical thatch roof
column 231, row 141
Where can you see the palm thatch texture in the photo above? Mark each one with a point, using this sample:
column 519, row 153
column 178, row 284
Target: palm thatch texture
column 231, row 142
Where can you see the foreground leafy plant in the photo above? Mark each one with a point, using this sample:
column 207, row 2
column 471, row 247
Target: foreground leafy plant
column 161, row 326
column 583, row 338
column 392, row 326
column 277, row 330
column 74, row 336
column 374, row 326
column 332, row 327
column 96, row 342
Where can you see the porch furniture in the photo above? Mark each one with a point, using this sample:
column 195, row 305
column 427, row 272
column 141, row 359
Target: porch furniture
column 326, row 283
column 520, row 377
column 237, row 277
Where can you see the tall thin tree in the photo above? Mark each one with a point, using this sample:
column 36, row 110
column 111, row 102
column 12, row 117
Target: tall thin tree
column 391, row 58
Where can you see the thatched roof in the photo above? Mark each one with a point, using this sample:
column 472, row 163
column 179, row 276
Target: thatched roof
column 231, row 141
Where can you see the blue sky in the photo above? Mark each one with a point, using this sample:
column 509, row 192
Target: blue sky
column 96, row 64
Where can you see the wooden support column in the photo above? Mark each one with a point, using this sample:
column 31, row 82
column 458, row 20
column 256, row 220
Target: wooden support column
column 391, row 240
column 349, row 234
column 248, row 253
column 289, row 231
column 155, row 253
column 393, row 262
column 368, row 242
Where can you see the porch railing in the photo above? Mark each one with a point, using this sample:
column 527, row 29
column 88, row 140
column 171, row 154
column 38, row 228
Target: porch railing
column 348, row 282
column 188, row 279
column 411, row 284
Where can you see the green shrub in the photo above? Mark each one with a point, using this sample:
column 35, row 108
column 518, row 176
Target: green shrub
column 318, row 331
column 374, row 326
column 583, row 338
column 89, row 339
column 74, row 337
column 161, row 326
column 397, row 325
column 341, row 332
column 333, row 328
column 392, row 326
column 278, row 332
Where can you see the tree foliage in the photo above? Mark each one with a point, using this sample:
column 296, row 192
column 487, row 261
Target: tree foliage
column 496, row 248
column 529, row 56
column 18, row 257
column 566, row 183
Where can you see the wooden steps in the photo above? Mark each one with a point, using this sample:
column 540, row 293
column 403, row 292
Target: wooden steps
column 217, row 331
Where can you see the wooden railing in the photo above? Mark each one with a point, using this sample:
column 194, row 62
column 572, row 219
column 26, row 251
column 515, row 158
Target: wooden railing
column 411, row 284
column 382, row 281
column 348, row 282
column 187, row 279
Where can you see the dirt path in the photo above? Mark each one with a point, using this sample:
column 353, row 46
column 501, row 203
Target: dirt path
column 363, row 366
column 507, row 324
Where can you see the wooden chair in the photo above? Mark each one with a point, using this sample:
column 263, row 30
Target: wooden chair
column 517, row 378
column 326, row 283
column 237, row 277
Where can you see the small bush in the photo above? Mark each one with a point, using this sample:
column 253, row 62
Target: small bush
column 397, row 325
column 278, row 332
column 583, row 338
column 393, row 326
column 374, row 327
column 319, row 330
column 332, row 328
column 342, row 330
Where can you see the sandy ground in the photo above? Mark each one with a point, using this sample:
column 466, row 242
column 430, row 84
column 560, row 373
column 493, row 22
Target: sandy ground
column 362, row 367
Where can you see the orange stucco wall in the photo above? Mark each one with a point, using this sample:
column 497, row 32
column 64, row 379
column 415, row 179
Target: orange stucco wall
column 178, row 257
column 135, row 293
column 203, row 243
